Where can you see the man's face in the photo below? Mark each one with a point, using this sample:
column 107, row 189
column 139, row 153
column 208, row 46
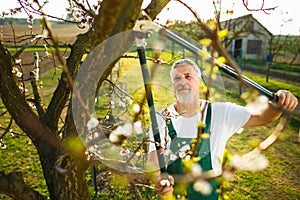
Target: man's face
column 185, row 83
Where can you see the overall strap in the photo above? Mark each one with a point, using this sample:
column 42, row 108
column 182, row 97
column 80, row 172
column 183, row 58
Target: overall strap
column 207, row 120
column 171, row 131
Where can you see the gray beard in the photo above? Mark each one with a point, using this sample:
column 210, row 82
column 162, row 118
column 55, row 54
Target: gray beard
column 185, row 98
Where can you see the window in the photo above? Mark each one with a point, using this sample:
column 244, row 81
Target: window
column 254, row 46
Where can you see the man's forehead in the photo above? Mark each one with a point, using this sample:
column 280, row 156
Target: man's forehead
column 184, row 69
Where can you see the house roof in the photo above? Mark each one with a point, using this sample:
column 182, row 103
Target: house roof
column 247, row 17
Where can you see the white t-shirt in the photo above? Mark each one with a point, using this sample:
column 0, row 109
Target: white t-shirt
column 226, row 119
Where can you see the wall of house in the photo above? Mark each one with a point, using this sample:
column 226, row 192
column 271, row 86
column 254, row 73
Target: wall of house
column 261, row 35
column 261, row 52
column 253, row 33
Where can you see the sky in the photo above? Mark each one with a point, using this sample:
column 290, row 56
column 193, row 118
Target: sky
column 285, row 19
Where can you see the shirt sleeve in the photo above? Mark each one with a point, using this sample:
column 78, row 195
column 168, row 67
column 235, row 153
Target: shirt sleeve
column 229, row 118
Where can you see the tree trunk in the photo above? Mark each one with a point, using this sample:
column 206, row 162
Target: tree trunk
column 293, row 59
column 71, row 185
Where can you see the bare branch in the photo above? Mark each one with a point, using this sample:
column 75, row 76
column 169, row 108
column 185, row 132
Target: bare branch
column 89, row 11
column 14, row 186
column 7, row 129
column 216, row 43
column 37, row 98
column 31, row 40
column 245, row 2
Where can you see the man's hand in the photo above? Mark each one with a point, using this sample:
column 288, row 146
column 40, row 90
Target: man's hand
column 287, row 100
column 165, row 187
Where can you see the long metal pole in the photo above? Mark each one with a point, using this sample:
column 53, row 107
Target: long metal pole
column 225, row 68
column 149, row 96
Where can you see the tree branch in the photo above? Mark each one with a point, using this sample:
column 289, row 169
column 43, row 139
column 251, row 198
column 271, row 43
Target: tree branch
column 37, row 98
column 62, row 92
column 155, row 7
column 13, row 185
column 245, row 2
column 18, row 108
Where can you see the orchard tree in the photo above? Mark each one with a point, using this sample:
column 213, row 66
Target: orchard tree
column 106, row 19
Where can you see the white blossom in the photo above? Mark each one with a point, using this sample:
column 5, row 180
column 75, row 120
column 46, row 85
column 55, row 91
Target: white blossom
column 128, row 100
column 22, row 89
column 173, row 157
column 203, row 187
column 124, row 152
column 165, row 182
column 185, row 148
column 138, row 154
column 18, row 61
column 187, row 157
column 112, row 104
column 196, row 170
column 127, row 129
column 92, row 123
column 19, row 74
column 95, row 135
column 136, row 108
column 138, row 127
column 2, row 145
column 250, row 163
column 114, row 138
column 122, row 104
column 260, row 103
column 31, row 105
column 181, row 154
column 93, row 148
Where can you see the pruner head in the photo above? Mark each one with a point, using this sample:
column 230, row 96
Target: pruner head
column 146, row 27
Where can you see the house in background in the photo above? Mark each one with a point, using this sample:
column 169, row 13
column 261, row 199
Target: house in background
column 247, row 37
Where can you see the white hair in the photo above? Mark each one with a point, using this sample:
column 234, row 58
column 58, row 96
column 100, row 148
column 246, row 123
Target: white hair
column 182, row 62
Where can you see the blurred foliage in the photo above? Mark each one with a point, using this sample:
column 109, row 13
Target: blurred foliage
column 190, row 29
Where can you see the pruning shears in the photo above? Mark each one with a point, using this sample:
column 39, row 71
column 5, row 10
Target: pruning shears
column 144, row 29
column 147, row 27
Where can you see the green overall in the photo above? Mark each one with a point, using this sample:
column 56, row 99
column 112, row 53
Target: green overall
column 176, row 167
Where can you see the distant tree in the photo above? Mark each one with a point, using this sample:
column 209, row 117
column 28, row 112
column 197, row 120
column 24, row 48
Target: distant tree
column 276, row 45
column 190, row 29
column 282, row 45
column 293, row 47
